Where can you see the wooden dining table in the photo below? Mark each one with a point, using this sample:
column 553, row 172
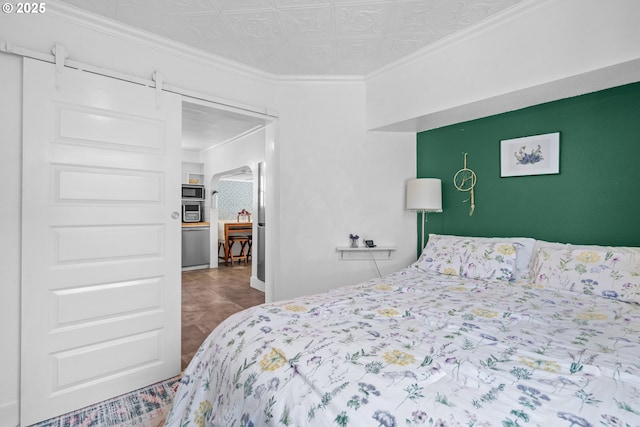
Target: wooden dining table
column 232, row 231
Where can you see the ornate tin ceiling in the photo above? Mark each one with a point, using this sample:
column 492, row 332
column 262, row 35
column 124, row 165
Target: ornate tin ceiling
column 302, row 37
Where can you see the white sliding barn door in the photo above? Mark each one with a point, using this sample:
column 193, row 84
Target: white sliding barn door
column 101, row 242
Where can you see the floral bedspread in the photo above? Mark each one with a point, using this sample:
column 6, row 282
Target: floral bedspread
column 415, row 349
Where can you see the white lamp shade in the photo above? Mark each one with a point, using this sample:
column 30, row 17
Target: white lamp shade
column 424, row 194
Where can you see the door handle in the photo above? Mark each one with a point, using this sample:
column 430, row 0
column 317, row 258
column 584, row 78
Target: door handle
column 175, row 215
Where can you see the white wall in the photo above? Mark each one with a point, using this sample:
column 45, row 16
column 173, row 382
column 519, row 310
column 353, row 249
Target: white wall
column 586, row 45
column 337, row 181
column 334, row 179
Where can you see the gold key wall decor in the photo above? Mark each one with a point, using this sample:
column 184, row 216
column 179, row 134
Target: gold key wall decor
column 464, row 180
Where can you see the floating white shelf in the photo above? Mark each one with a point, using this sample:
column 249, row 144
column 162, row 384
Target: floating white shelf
column 348, row 253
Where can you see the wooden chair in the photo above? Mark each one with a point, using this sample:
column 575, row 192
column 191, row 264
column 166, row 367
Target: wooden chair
column 222, row 245
column 242, row 255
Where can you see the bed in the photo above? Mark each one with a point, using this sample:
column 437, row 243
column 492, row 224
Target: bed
column 477, row 332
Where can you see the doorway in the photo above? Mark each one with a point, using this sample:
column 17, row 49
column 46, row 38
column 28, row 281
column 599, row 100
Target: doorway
column 211, row 295
column 223, row 149
column 234, row 195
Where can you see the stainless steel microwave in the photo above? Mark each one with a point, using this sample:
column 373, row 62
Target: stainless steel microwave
column 193, row 192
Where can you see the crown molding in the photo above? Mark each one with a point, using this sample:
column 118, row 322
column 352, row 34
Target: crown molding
column 514, row 12
column 94, row 22
column 316, row 79
column 91, row 21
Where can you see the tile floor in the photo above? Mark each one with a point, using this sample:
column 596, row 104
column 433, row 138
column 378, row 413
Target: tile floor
column 208, row 297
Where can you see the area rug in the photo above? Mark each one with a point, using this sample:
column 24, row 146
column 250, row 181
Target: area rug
column 146, row 407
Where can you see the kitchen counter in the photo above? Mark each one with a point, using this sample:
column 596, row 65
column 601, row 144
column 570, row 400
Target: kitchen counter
column 195, row 224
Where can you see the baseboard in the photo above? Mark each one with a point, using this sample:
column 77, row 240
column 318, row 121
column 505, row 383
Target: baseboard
column 196, row 267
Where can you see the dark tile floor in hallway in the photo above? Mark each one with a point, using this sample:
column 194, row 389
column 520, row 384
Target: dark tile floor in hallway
column 208, row 297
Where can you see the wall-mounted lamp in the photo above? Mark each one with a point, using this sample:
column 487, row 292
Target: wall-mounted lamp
column 424, row 195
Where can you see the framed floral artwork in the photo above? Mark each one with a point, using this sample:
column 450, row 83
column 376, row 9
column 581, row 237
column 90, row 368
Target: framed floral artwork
column 530, row 155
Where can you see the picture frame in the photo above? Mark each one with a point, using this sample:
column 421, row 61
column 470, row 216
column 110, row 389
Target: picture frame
column 530, row 155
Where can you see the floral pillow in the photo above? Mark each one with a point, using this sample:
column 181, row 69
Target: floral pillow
column 589, row 271
column 469, row 258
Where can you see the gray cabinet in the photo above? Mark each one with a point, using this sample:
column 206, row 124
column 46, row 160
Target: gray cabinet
column 195, row 246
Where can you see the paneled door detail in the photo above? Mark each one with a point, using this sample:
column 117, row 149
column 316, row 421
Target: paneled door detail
column 101, row 239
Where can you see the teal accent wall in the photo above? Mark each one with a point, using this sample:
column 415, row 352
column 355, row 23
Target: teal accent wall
column 594, row 199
